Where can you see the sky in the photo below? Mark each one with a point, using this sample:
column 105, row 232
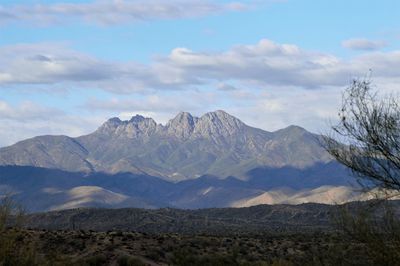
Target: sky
column 66, row 67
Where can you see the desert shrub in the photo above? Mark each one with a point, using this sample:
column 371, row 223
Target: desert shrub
column 13, row 251
column 377, row 228
column 184, row 257
column 126, row 260
column 368, row 234
column 278, row 262
column 154, row 254
column 96, row 260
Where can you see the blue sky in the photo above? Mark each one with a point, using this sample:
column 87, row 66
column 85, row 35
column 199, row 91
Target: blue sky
column 67, row 66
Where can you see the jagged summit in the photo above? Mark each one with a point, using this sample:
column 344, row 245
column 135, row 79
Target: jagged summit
column 114, row 120
column 110, row 125
column 223, row 118
column 137, row 119
column 135, row 127
column 182, row 125
column 218, row 123
column 183, row 115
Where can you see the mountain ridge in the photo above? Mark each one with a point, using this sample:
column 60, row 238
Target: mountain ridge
column 191, row 162
column 184, row 148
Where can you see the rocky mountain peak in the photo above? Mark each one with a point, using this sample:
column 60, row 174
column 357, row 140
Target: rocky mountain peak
column 221, row 116
column 218, row 126
column 142, row 122
column 110, row 125
column 182, row 125
column 218, row 123
column 137, row 119
column 114, row 121
column 291, row 131
column 135, row 127
column 140, row 126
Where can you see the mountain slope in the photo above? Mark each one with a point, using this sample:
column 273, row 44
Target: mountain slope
column 47, row 151
column 185, row 148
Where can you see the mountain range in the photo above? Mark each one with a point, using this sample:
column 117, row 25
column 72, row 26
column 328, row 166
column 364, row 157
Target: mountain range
column 214, row 160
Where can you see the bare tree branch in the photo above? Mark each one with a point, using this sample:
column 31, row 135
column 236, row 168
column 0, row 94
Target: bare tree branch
column 367, row 137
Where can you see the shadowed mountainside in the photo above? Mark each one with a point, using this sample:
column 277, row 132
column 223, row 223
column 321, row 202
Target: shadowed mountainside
column 40, row 189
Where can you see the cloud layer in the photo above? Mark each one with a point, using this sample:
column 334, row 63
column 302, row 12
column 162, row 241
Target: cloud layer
column 115, row 11
column 29, row 119
column 263, row 64
column 363, row 44
column 26, row 111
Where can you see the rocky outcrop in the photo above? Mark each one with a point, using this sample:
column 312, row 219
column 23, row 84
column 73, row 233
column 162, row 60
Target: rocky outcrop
column 181, row 126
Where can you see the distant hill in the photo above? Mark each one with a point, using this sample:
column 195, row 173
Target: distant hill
column 257, row 219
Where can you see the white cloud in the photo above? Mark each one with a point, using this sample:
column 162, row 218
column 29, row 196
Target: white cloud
column 363, row 44
column 267, row 85
column 277, row 109
column 115, row 11
column 66, row 125
column 226, row 87
column 26, row 111
column 268, row 63
column 29, row 119
column 49, row 63
column 264, row 63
